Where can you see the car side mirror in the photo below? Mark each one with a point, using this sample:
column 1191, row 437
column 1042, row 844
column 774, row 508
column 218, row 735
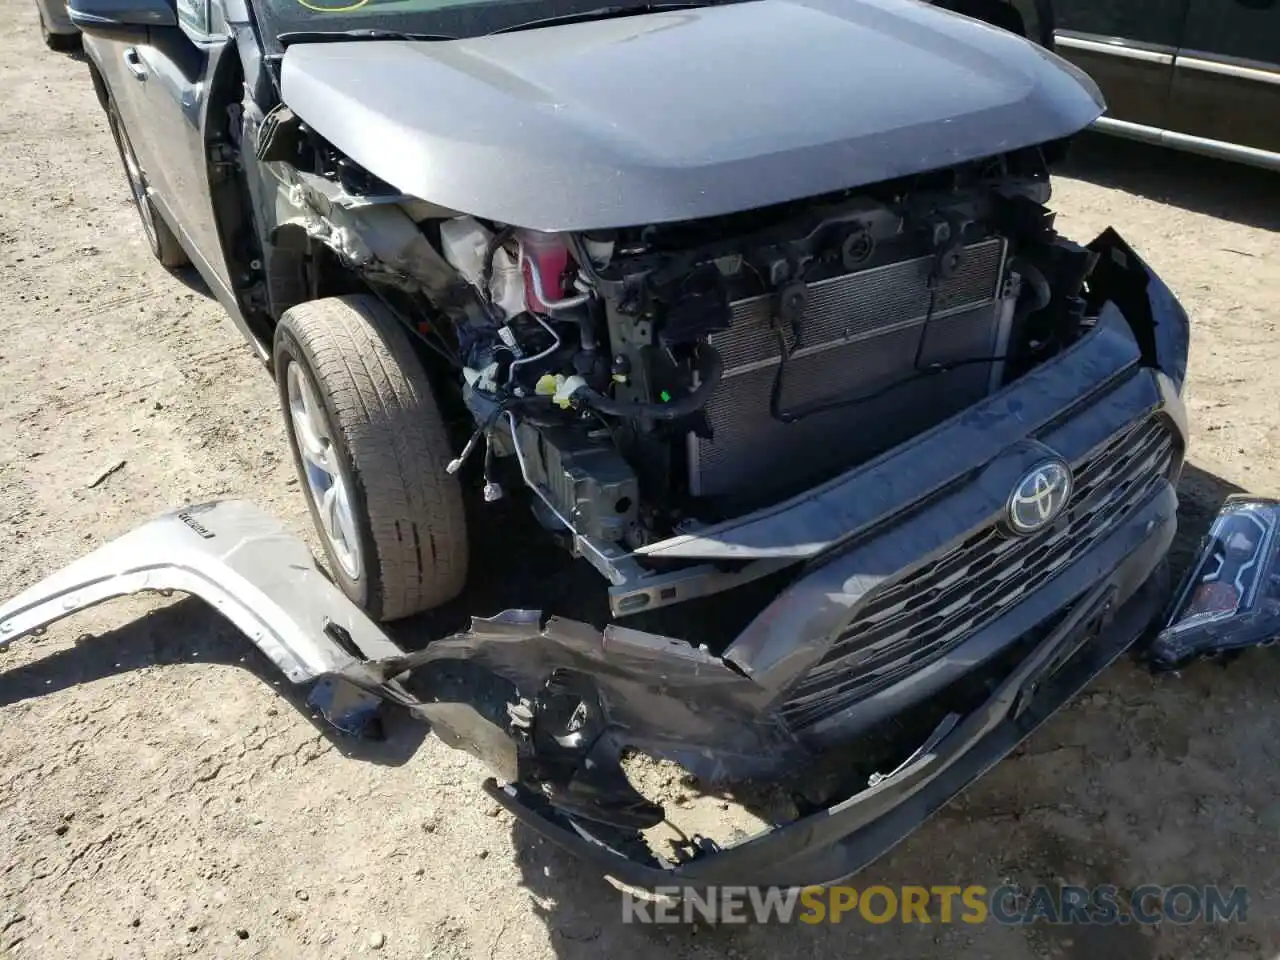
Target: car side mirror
column 127, row 20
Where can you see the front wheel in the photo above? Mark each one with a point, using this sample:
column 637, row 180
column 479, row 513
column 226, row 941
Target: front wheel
column 371, row 449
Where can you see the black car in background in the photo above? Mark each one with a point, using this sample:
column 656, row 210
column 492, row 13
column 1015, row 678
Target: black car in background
column 1200, row 75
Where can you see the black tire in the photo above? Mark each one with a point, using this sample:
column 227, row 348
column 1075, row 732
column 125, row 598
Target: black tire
column 164, row 243
column 391, row 450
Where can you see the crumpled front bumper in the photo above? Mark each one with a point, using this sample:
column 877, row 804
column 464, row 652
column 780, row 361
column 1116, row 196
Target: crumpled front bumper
column 553, row 705
column 242, row 562
column 831, row 844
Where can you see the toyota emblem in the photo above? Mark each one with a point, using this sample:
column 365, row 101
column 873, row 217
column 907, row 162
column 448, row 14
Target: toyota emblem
column 1039, row 497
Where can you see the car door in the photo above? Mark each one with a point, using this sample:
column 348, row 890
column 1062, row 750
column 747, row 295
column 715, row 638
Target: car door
column 174, row 70
column 1128, row 47
column 1226, row 82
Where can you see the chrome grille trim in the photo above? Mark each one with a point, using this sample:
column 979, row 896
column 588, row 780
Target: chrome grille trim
column 921, row 616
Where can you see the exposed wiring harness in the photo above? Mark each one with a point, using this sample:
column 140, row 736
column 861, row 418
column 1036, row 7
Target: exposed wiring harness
column 710, row 368
column 429, row 336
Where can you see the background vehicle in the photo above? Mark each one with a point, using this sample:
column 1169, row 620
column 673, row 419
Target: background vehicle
column 1199, row 75
column 56, row 27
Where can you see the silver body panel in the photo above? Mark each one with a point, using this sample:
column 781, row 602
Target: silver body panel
column 684, row 114
column 250, row 569
column 239, row 560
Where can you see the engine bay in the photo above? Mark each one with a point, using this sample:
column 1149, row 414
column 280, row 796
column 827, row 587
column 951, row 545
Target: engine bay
column 648, row 381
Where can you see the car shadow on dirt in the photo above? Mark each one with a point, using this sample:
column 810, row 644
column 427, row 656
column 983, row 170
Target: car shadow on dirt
column 1217, row 188
column 190, row 277
column 584, row 914
column 184, row 632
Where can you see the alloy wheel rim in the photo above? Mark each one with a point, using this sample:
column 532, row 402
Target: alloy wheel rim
column 137, row 182
column 326, row 486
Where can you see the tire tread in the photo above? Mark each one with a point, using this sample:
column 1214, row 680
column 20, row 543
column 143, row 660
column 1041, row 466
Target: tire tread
column 383, row 406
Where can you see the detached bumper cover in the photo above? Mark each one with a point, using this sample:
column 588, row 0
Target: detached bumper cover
column 236, row 558
column 245, row 565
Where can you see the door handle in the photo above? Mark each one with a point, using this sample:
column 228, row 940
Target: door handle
column 134, row 63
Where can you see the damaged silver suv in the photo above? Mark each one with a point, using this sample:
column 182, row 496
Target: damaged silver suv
column 727, row 292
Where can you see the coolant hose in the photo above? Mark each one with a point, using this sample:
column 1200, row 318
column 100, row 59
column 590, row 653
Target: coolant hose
column 710, row 369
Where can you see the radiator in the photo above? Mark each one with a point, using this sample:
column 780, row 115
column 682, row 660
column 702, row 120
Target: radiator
column 861, row 332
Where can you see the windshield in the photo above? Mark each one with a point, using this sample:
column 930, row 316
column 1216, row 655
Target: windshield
column 447, row 18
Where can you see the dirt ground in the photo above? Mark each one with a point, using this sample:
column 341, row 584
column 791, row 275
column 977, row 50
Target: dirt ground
column 161, row 797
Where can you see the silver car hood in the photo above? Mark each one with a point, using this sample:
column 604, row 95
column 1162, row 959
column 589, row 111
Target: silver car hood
column 683, row 114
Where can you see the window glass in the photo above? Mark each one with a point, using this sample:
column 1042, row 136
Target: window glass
column 194, row 14
column 1245, row 29
column 449, row 18
column 1145, row 21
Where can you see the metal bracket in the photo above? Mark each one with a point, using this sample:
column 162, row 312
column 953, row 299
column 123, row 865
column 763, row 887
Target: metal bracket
column 649, row 591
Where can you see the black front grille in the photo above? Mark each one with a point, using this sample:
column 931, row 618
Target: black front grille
column 914, row 620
